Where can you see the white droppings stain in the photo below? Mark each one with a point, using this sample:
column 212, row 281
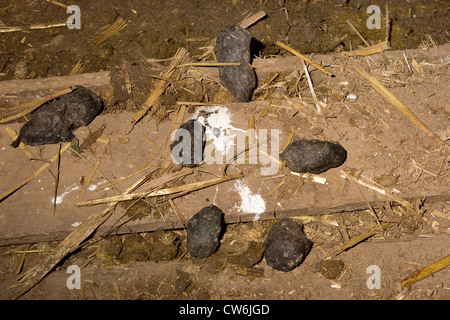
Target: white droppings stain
column 94, row 187
column 215, row 195
column 352, row 96
column 218, row 127
column 250, row 202
column 4, row 148
column 59, row 199
column 76, row 224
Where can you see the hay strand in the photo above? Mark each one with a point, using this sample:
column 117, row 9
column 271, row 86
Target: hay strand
column 13, row 134
column 114, row 28
column 398, row 104
column 160, row 86
column 162, row 192
column 426, row 272
column 360, row 238
column 23, row 109
column 376, row 48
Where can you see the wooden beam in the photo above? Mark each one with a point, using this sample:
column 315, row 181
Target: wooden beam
column 14, row 92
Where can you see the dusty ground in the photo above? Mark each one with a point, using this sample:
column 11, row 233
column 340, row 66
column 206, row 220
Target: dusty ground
column 156, row 265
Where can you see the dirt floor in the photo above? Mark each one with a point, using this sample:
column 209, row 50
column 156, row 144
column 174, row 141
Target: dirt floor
column 383, row 147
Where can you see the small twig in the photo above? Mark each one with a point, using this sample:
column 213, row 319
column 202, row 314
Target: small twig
column 22, row 259
column 33, row 27
column 57, row 3
column 252, row 19
column 58, row 166
column 388, row 24
column 407, row 63
column 311, row 88
column 358, row 34
column 13, row 134
column 376, row 48
column 298, row 54
column 209, row 64
column 357, row 239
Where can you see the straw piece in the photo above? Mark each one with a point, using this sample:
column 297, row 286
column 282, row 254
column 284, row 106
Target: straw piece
column 192, row 103
column 311, row 88
column 358, row 33
column 177, row 212
column 376, row 48
column 13, row 134
column 22, row 259
column 160, row 86
column 298, row 54
column 209, row 64
column 252, row 19
column 34, row 175
column 313, row 177
column 33, row 27
column 57, row 3
column 58, row 170
column 78, row 68
column 288, row 140
column 355, row 240
column 89, row 179
column 162, row 192
column 426, row 272
column 398, row 104
column 114, row 28
column 23, row 109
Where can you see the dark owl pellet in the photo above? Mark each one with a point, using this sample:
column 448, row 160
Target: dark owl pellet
column 286, row 246
column 55, row 120
column 203, row 231
column 233, row 45
column 189, row 144
column 313, row 156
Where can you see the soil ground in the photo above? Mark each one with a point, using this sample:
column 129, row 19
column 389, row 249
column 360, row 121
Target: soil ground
column 156, row 265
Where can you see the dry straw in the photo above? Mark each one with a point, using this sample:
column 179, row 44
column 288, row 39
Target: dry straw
column 398, row 104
